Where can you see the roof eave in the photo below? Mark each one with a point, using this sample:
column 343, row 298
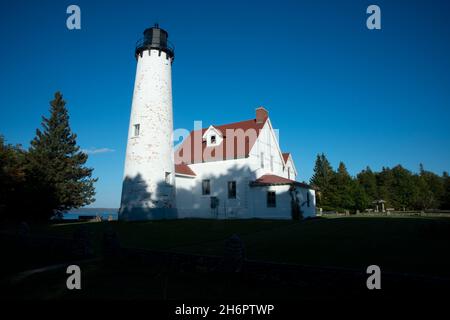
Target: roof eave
column 185, row 175
column 295, row 183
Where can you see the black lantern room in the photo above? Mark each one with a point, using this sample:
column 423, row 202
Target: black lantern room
column 155, row 38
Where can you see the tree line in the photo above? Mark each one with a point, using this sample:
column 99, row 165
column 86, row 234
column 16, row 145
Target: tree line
column 48, row 178
column 399, row 187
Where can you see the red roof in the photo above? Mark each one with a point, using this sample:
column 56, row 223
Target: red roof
column 244, row 134
column 183, row 168
column 286, row 156
column 271, row 179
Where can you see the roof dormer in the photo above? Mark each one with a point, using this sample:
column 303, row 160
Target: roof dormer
column 213, row 137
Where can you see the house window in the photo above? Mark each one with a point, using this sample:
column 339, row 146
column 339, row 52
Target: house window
column 271, row 199
column 136, row 129
column 214, row 202
column 168, row 177
column 271, row 163
column 213, row 139
column 307, row 198
column 262, row 159
column 206, row 187
column 231, row 189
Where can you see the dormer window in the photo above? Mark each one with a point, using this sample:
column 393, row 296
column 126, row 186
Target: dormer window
column 213, row 137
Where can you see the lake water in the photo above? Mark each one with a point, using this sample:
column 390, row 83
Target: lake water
column 101, row 212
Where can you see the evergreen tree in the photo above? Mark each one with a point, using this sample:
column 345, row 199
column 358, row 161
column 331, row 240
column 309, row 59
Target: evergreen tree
column 385, row 180
column 318, row 175
column 59, row 179
column 343, row 183
column 360, row 197
column 430, row 189
column 399, row 187
column 368, row 181
column 403, row 190
column 321, row 179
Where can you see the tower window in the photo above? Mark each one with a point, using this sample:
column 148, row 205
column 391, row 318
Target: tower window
column 136, row 129
column 231, row 189
column 271, row 199
column 213, row 139
column 206, row 187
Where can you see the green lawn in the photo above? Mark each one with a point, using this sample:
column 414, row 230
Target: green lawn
column 408, row 244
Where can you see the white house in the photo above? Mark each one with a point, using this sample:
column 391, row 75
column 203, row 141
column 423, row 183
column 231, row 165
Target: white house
column 235, row 170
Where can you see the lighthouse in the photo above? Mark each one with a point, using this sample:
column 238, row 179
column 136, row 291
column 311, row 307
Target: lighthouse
column 148, row 190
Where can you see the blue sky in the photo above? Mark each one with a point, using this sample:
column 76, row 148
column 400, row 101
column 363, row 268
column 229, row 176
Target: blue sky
column 365, row 97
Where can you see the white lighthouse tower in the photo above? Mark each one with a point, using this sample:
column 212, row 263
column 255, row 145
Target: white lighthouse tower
column 148, row 190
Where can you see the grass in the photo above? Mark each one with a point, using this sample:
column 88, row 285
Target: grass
column 399, row 244
column 417, row 245
column 128, row 281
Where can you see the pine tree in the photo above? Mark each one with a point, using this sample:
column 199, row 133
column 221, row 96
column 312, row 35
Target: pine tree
column 368, row 181
column 360, row 197
column 385, row 180
column 56, row 166
column 321, row 179
column 318, row 176
column 344, row 186
column 402, row 188
column 430, row 189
